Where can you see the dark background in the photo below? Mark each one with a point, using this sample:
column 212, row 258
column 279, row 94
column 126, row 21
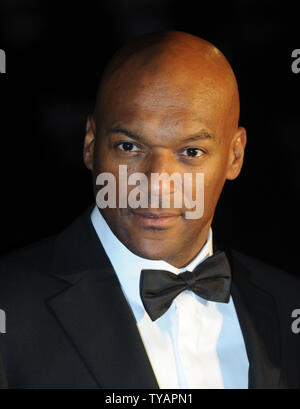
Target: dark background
column 55, row 55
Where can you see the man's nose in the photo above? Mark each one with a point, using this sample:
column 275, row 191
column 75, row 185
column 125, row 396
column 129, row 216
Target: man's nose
column 159, row 169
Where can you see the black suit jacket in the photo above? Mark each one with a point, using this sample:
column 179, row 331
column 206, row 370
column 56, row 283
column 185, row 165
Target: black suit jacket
column 68, row 324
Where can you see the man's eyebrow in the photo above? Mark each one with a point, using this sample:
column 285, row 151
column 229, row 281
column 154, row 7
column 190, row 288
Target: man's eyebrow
column 201, row 135
column 124, row 131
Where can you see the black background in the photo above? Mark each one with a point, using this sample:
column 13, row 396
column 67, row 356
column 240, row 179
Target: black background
column 55, row 55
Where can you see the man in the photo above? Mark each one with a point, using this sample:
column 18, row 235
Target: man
column 91, row 308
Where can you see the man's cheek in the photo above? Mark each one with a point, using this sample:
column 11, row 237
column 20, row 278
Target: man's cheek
column 210, row 194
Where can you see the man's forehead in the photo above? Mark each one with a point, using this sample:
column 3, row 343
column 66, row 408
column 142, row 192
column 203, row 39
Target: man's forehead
column 165, row 103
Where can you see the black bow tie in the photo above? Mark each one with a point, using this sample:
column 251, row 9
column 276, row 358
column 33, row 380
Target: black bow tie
column 211, row 280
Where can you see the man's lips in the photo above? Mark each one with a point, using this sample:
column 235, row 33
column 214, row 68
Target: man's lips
column 157, row 218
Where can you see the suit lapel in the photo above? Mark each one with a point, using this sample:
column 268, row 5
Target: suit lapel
column 257, row 314
column 94, row 313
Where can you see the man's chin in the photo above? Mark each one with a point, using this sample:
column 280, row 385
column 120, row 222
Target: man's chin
column 151, row 250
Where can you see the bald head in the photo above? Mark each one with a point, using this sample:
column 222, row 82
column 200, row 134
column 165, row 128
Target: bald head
column 172, row 60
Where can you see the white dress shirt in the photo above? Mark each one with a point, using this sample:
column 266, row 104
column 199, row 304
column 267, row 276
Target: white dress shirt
column 196, row 343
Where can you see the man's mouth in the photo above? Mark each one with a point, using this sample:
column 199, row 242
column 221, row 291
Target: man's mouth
column 156, row 218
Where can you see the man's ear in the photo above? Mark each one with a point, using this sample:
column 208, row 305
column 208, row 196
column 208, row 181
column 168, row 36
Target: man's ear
column 236, row 154
column 89, row 142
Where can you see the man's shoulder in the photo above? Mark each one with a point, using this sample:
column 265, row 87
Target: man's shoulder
column 30, row 257
column 38, row 255
column 281, row 284
column 261, row 268
column 24, row 268
column 35, row 265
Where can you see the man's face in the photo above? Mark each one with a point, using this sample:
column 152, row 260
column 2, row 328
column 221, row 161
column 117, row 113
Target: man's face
column 162, row 123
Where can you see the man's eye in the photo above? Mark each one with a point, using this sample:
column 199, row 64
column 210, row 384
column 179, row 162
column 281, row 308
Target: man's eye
column 193, row 152
column 127, row 147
